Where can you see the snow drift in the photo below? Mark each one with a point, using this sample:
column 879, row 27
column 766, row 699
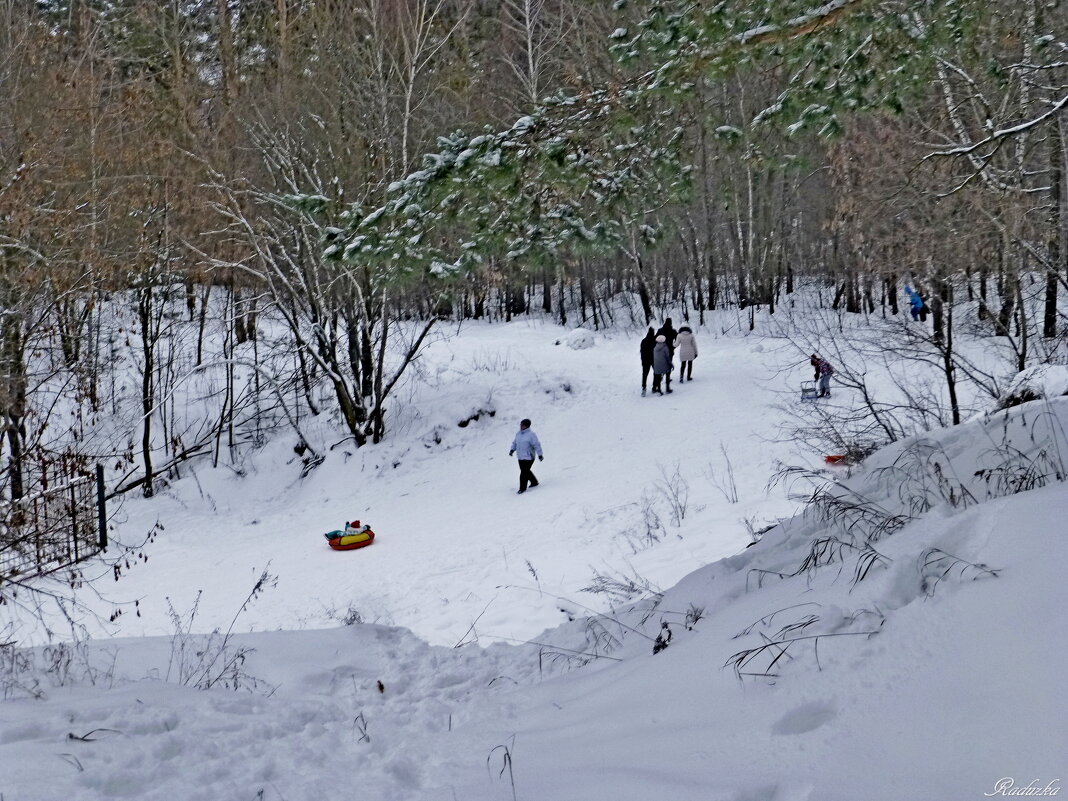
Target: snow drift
column 901, row 637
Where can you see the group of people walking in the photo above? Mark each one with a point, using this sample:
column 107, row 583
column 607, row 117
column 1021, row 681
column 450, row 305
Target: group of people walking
column 658, row 356
column 658, row 350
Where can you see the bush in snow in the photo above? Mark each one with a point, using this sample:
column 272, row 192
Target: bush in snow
column 1036, row 383
column 213, row 660
column 580, row 339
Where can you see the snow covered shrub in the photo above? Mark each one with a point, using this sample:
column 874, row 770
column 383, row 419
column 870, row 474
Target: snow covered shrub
column 475, row 415
column 26, row 671
column 486, row 361
column 1035, row 383
column 621, row 588
column 802, row 636
column 17, row 674
column 350, row 617
column 923, row 476
column 831, row 550
column 212, row 660
column 359, row 725
column 675, row 490
column 755, row 530
column 847, row 509
column 601, row 640
column 1028, row 455
column 580, row 339
column 693, row 616
column 1017, row 471
column 724, row 482
column 506, row 763
column 646, row 532
column 935, row 565
column 663, row 638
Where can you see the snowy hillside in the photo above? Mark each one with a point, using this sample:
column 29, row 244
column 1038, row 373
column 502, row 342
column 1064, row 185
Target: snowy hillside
column 459, row 556
column 898, row 636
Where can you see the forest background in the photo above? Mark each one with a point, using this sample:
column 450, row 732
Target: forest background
column 264, row 207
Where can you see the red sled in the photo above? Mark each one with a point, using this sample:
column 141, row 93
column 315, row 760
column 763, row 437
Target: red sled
column 837, row 458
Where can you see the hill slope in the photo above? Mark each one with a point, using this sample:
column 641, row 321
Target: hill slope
column 900, row 637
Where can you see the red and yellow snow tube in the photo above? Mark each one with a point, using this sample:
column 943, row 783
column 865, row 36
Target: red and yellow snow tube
column 349, row 540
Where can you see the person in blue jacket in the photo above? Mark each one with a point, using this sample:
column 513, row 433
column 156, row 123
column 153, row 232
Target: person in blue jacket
column 524, row 446
column 917, row 307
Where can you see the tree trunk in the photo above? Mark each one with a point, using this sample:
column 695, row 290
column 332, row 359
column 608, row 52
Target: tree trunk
column 378, row 424
column 891, row 293
column 948, row 368
column 202, row 322
column 144, row 312
column 191, row 298
column 643, row 289
column 13, row 397
column 560, row 303
column 984, row 275
column 367, row 365
column 713, row 288
column 1049, row 315
column 1021, row 311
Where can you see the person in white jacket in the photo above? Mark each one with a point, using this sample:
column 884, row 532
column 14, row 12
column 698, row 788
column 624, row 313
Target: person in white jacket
column 524, row 446
column 686, row 348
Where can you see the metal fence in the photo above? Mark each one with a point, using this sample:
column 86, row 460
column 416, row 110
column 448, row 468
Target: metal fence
column 60, row 524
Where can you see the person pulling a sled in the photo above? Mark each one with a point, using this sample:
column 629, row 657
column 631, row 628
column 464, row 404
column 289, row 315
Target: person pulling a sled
column 824, row 371
column 524, row 446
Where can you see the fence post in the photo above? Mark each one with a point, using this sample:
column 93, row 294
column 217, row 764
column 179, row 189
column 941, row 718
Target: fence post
column 101, row 509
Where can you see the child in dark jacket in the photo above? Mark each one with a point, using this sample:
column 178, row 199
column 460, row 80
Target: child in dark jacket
column 824, row 371
column 662, row 365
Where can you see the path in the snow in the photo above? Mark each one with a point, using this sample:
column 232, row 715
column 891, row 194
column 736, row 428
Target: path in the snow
column 448, row 520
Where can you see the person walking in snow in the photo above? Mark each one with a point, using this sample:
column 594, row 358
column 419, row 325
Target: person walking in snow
column 686, row 344
column 646, row 351
column 668, row 332
column 917, row 307
column 824, row 371
column 661, row 365
column 524, row 446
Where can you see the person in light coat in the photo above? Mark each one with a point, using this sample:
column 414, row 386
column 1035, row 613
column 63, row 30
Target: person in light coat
column 686, row 347
column 662, row 365
column 524, row 446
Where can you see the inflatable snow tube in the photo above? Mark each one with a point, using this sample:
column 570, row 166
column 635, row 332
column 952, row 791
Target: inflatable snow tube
column 349, row 540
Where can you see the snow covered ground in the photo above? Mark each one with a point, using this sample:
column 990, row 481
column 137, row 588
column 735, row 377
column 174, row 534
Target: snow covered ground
column 901, row 637
column 456, row 547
